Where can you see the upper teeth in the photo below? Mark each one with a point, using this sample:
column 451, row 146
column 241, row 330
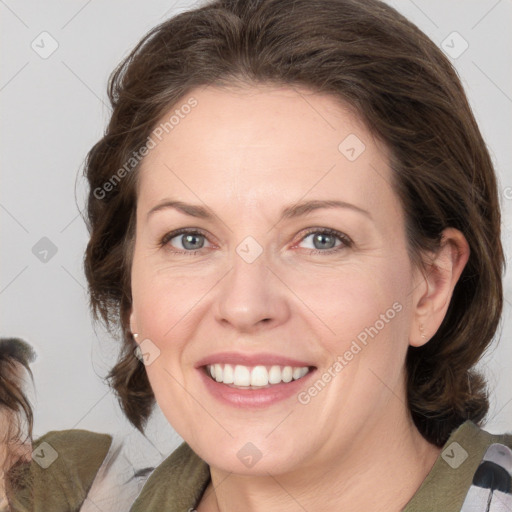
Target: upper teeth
column 240, row 375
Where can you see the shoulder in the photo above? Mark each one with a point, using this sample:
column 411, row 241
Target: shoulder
column 63, row 467
column 89, row 471
column 176, row 484
column 451, row 481
column 70, row 443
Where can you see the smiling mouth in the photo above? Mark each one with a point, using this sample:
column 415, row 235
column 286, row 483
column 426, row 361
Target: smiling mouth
column 255, row 377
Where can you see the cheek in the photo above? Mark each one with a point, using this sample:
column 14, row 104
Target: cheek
column 362, row 319
column 350, row 299
column 362, row 316
column 162, row 300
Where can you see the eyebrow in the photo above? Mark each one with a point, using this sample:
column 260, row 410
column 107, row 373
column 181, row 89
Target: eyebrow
column 290, row 212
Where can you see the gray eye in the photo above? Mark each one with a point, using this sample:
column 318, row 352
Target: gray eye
column 322, row 240
column 189, row 241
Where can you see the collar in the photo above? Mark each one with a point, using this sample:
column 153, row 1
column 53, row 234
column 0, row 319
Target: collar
column 178, row 483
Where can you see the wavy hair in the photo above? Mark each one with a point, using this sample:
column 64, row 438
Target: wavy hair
column 16, row 411
column 409, row 96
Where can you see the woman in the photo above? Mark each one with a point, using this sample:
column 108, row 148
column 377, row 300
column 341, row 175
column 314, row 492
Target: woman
column 294, row 221
column 15, row 414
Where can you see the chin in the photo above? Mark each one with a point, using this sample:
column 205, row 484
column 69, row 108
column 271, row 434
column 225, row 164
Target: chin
column 250, row 458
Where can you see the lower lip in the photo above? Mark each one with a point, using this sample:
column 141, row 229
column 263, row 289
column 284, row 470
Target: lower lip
column 254, row 397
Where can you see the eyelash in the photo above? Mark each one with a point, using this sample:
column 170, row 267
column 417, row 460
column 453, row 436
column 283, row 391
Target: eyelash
column 346, row 241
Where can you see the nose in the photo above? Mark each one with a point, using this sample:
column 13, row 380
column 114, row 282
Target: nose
column 251, row 297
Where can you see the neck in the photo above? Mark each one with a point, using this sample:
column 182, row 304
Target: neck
column 380, row 471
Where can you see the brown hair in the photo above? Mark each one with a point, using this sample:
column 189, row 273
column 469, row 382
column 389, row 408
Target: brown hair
column 13, row 400
column 410, row 97
column 16, row 409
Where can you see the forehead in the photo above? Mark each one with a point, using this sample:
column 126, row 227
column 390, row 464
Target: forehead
column 263, row 144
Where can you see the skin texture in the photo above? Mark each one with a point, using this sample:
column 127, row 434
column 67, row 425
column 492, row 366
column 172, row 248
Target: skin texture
column 246, row 154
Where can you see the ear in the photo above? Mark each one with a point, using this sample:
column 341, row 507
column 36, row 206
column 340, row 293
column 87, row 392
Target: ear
column 434, row 285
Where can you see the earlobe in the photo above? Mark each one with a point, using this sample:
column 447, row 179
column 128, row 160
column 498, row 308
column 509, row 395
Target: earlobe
column 133, row 325
column 434, row 290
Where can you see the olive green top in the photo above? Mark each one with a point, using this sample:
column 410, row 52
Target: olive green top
column 178, row 483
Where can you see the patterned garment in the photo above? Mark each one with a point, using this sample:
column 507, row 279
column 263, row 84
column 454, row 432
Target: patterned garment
column 491, row 489
column 78, row 470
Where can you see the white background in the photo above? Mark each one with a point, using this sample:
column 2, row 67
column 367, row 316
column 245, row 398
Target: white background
column 55, row 109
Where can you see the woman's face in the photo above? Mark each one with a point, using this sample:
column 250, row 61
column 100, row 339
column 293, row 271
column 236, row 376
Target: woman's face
column 15, row 445
column 295, row 256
